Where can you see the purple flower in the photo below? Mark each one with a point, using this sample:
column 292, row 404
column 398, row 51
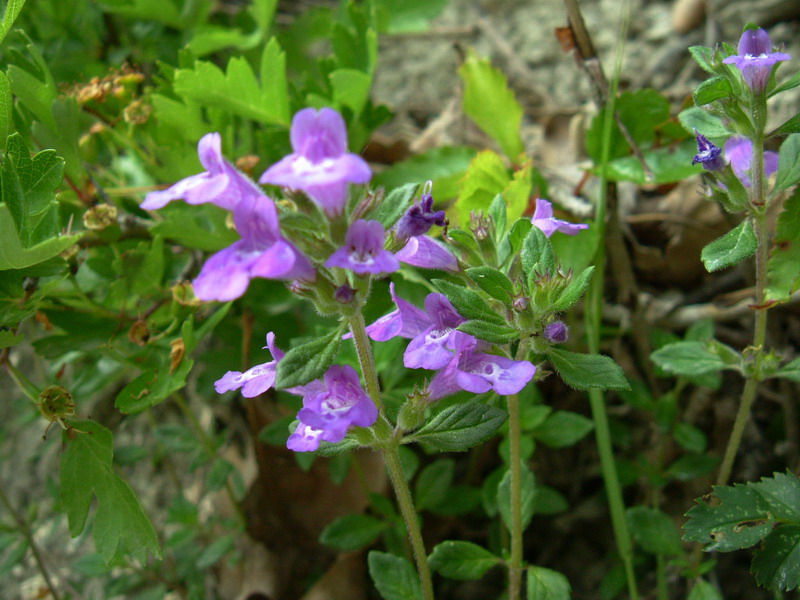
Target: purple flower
column 419, row 218
column 755, row 60
column 220, row 183
column 556, row 332
column 406, row 321
column 708, row 155
column 262, row 252
column 739, row 151
column 478, row 372
column 424, row 252
column 320, row 164
column 544, row 220
column 363, row 251
column 256, row 380
column 330, row 408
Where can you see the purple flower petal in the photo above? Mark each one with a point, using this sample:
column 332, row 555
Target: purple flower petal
column 363, row 251
column 544, row 220
column 755, row 61
column 407, row 321
column 304, row 438
column 504, row 375
column 739, row 151
column 424, row 252
column 319, row 134
column 256, row 380
column 429, row 349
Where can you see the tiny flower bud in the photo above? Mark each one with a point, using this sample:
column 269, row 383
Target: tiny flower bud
column 412, row 413
column 100, row 216
column 557, row 332
column 55, row 403
column 520, row 304
column 344, row 294
column 480, row 225
column 420, row 217
column 708, row 155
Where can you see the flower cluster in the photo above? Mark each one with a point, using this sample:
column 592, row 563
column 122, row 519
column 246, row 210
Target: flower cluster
column 738, row 151
column 461, row 361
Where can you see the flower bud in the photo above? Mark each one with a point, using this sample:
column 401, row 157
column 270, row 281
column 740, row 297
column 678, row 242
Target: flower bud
column 344, row 294
column 557, row 332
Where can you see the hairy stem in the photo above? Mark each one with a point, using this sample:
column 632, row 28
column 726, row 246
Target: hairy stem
column 388, row 446
column 514, row 437
column 758, row 201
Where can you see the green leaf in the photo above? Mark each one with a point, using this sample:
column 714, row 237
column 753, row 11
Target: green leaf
column 782, row 494
column 783, row 266
column 120, row 524
column 394, row 205
column 410, row 16
column 433, row 483
column 777, row 564
column 788, row 162
column 6, row 106
column 467, row 302
column 791, row 125
column 687, row 358
column 215, row 551
column 712, row 89
column 563, row 428
column 394, row 576
column 459, row 427
column 549, row 501
column 309, row 361
column 445, row 166
column 574, row 291
column 528, row 497
column 588, row 371
column 690, row 438
column 546, row 584
column 537, row 254
column 491, row 104
column 13, row 7
column 9, row 338
column 703, row 56
column 790, row 83
column 496, row 334
column 350, row 89
column 486, row 177
column 702, row 590
column 790, row 371
column 13, row 255
column 499, row 214
column 493, row 282
column 461, row 560
column 654, row 531
column 237, row 90
column 512, row 242
column 704, row 122
column 736, row 517
column 152, row 387
column 730, row 249
column 351, row 532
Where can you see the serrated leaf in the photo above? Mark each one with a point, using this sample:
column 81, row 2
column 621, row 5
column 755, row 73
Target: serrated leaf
column 445, row 166
column 493, row 282
column 528, row 497
column 687, row 358
column 496, row 334
column 309, row 361
column 788, row 162
column 588, row 371
column 782, row 494
column 461, row 560
column 703, row 57
column 491, row 104
column 394, row 576
column 704, row 122
column 351, row 532
column 460, row 426
column 120, row 524
column 486, row 177
column 433, row 483
column 394, row 205
column 711, row 89
column 467, row 302
column 730, row 249
column 546, row 584
column 736, row 517
column 13, row 255
column 537, row 254
column 783, row 266
column 777, row 564
column 654, row 531
column 563, row 428
column 574, row 291
column 237, row 90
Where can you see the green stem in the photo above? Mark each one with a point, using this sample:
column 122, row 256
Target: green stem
column 37, row 555
column 661, row 578
column 758, row 201
column 388, row 445
column 514, row 437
